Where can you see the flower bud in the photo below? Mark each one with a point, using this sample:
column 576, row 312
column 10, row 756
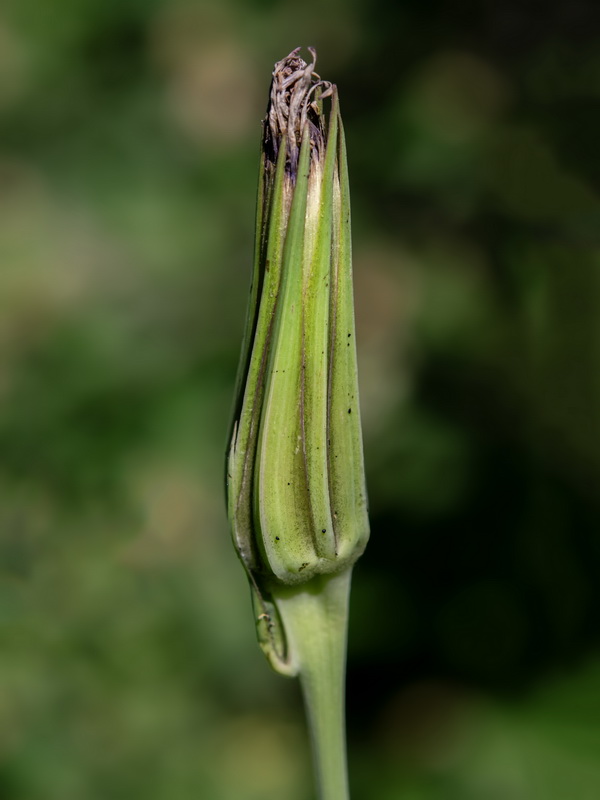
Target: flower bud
column 295, row 475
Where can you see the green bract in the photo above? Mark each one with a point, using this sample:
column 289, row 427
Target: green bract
column 295, row 476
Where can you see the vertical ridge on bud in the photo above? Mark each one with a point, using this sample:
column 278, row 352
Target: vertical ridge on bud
column 316, row 353
column 272, row 212
column 345, row 454
column 280, row 480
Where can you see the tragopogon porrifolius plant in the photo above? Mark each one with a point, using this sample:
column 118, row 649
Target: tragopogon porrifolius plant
column 295, row 477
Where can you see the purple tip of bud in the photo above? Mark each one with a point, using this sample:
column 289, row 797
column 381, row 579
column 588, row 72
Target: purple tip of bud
column 294, row 102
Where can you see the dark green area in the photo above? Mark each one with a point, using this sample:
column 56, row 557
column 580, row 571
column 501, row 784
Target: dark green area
column 129, row 136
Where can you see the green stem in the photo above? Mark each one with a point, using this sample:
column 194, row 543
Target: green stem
column 315, row 619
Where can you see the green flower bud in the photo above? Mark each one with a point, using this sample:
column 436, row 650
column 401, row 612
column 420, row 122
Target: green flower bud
column 295, row 475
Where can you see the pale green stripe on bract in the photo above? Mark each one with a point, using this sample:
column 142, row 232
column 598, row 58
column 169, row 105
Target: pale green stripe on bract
column 316, row 350
column 346, row 465
column 282, row 515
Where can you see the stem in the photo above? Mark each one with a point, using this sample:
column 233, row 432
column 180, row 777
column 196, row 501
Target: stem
column 315, row 617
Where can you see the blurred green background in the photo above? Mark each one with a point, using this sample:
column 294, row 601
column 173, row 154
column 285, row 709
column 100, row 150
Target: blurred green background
column 129, row 135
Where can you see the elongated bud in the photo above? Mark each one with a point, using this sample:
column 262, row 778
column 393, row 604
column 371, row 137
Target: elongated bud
column 295, row 476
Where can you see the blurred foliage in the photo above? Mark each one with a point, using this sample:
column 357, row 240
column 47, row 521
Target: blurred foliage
column 128, row 154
